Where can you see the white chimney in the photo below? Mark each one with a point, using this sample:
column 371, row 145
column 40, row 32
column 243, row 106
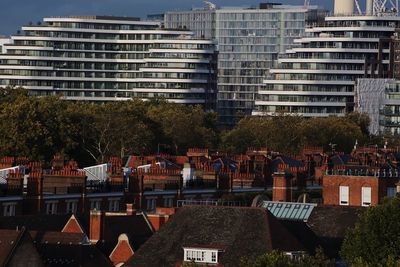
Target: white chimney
column 344, row 7
column 369, row 10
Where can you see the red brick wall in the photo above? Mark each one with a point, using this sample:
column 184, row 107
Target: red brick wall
column 331, row 185
column 96, row 225
column 122, row 251
column 157, row 220
column 72, row 226
column 281, row 188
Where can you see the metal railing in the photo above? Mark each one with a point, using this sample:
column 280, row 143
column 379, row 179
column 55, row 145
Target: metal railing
column 223, row 203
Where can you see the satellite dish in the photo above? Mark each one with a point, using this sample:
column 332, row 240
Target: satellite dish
column 304, row 198
column 258, row 200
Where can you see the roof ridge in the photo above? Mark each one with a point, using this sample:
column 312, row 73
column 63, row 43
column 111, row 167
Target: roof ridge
column 17, row 241
column 147, row 221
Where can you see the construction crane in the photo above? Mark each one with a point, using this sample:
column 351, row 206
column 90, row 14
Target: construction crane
column 378, row 7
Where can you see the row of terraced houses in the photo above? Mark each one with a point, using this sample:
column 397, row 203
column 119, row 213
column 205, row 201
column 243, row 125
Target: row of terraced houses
column 362, row 178
column 112, row 210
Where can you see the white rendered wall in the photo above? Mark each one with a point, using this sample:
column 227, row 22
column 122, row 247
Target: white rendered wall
column 370, row 98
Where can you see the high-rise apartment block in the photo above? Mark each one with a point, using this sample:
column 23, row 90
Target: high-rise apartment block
column 318, row 78
column 101, row 58
column 249, row 42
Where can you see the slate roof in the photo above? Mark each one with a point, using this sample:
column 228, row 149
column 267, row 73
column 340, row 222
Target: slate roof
column 135, row 227
column 58, row 238
column 330, row 224
column 304, row 234
column 40, row 222
column 8, row 240
column 221, row 163
column 340, row 159
column 55, row 255
column 245, row 232
column 17, row 249
column 316, row 225
column 285, row 160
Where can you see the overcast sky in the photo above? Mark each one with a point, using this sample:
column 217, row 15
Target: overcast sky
column 16, row 13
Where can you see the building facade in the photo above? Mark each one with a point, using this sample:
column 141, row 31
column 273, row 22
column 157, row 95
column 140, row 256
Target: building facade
column 318, row 78
column 390, row 110
column 200, row 21
column 110, row 58
column 249, row 42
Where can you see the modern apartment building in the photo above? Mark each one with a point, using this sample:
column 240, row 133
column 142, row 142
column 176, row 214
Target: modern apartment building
column 3, row 41
column 390, row 112
column 200, row 21
column 249, row 42
column 318, row 78
column 101, row 58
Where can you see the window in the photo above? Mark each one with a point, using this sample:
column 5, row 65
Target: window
column 72, row 206
column 214, row 256
column 51, row 207
column 168, row 202
column 344, row 195
column 95, row 204
column 201, row 255
column 391, row 191
column 366, row 196
column 113, row 205
column 197, row 256
column 151, row 204
column 9, row 209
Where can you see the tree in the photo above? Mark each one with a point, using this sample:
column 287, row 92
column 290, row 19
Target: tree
column 279, row 259
column 182, row 126
column 375, row 239
column 360, row 119
column 280, row 133
column 35, row 127
column 332, row 130
column 116, row 129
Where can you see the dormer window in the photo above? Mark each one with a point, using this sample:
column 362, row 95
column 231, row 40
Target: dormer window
column 296, row 255
column 203, row 254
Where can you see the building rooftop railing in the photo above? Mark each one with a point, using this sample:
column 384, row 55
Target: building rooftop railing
column 365, row 173
column 223, row 203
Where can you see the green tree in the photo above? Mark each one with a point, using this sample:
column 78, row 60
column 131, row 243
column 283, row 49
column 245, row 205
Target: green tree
column 35, row 127
column 375, row 240
column 116, row 129
column 279, row 259
column 182, row 126
column 360, row 119
column 332, row 130
column 280, row 133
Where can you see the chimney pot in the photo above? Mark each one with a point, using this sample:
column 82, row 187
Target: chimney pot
column 129, row 209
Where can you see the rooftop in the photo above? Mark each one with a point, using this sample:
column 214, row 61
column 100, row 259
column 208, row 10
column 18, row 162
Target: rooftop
column 244, row 232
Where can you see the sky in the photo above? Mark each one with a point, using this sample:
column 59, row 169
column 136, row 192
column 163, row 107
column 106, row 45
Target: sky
column 16, row 13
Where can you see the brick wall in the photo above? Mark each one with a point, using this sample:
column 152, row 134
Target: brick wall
column 331, row 189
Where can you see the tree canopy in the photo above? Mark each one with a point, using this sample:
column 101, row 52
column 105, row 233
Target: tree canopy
column 375, row 239
column 39, row 127
column 286, row 133
column 279, row 259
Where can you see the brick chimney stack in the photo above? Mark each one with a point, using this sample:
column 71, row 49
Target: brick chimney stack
column 96, row 225
column 129, row 209
column 282, row 187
